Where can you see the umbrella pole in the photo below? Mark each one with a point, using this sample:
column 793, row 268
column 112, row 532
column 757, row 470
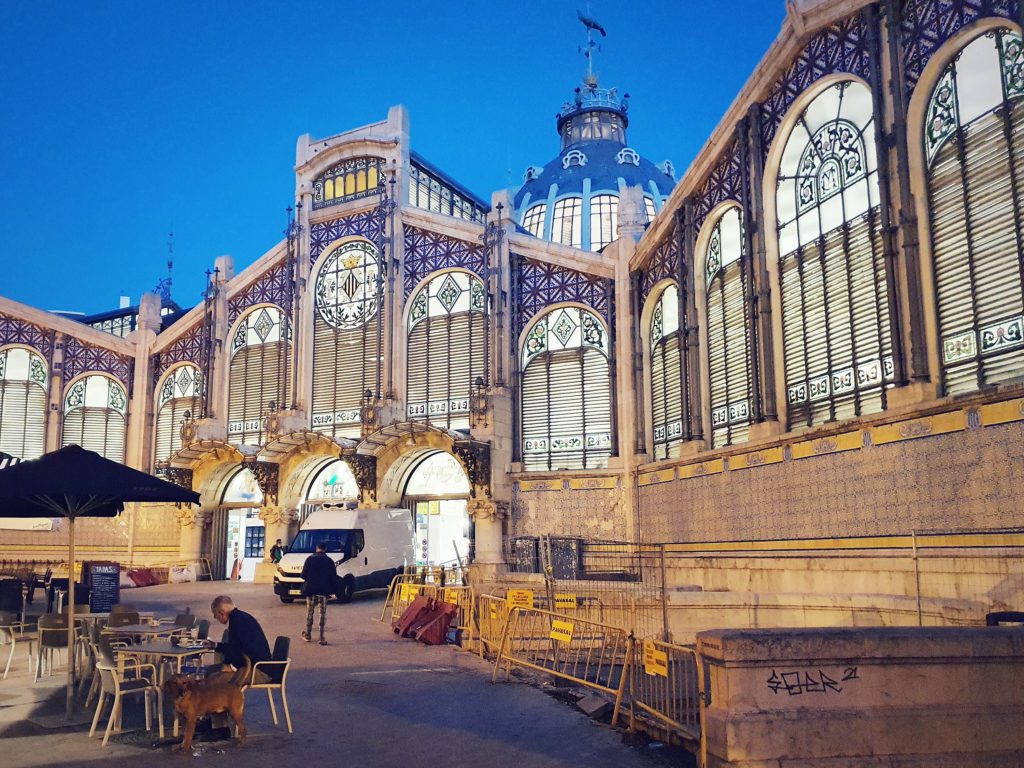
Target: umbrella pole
column 71, row 615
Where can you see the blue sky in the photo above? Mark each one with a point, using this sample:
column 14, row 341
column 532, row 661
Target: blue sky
column 122, row 120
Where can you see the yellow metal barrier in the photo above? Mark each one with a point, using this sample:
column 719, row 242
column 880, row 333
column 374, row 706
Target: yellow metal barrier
column 588, row 653
column 664, row 683
column 491, row 615
column 404, row 589
column 463, row 621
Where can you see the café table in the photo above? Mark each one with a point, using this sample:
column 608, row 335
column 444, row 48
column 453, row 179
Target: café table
column 143, row 630
column 161, row 651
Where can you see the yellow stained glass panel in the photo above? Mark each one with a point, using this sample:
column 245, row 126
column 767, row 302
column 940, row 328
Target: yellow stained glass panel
column 329, row 189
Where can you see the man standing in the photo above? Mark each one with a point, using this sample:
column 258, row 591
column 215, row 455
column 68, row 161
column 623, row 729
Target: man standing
column 276, row 552
column 318, row 576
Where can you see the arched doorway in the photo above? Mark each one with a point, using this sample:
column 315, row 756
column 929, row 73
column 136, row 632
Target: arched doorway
column 242, row 538
column 332, row 483
column 437, row 492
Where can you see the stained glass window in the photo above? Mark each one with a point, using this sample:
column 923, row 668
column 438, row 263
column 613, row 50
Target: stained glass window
column 429, row 192
column 179, row 394
column 566, row 222
column 604, row 214
column 348, row 180
column 23, row 383
column 95, row 416
column 666, row 373
column 974, row 143
column 729, row 367
column 565, row 403
column 346, row 336
column 445, row 349
column 533, row 219
column 835, row 323
column 260, row 371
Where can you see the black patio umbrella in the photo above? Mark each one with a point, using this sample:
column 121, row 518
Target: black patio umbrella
column 73, row 482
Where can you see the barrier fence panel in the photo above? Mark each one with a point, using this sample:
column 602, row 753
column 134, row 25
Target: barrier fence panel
column 404, row 588
column 664, row 685
column 464, row 620
column 588, row 653
column 491, row 615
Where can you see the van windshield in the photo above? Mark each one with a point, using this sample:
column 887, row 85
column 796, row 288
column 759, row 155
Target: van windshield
column 336, row 540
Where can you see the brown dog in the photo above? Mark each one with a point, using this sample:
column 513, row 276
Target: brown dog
column 194, row 698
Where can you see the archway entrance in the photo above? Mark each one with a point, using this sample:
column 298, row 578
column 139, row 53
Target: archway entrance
column 437, row 492
column 239, row 535
column 332, row 483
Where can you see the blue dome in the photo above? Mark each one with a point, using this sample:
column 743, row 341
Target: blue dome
column 573, row 199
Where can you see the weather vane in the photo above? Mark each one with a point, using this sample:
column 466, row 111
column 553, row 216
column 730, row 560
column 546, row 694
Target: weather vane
column 591, row 24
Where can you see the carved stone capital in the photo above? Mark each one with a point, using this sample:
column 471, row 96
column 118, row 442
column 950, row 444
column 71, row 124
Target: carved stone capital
column 274, row 515
column 484, row 509
column 193, row 518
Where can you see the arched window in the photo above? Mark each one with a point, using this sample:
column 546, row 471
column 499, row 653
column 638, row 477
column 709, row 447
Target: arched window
column 604, row 215
column 666, row 374
column 22, row 403
column 334, row 483
column 533, row 219
column 178, row 395
column 348, row 180
column 95, row 415
column 650, row 208
column 835, row 324
column 446, row 349
column 566, row 392
column 259, row 373
column 729, row 371
column 346, row 336
column 566, row 221
column 974, row 142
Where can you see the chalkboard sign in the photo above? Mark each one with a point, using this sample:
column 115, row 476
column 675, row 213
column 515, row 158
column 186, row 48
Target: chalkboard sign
column 105, row 580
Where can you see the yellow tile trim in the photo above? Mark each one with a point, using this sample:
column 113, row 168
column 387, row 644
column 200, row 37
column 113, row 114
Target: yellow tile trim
column 939, row 424
column 863, row 542
column 713, row 467
column 1001, row 413
column 757, row 458
column 540, row 485
column 661, row 476
column 847, row 441
column 591, row 483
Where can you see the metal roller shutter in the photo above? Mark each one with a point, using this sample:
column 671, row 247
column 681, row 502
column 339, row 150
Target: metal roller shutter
column 728, row 357
column 168, row 425
column 666, row 395
column 259, row 375
column 344, row 367
column 96, row 429
column 445, row 356
column 22, row 419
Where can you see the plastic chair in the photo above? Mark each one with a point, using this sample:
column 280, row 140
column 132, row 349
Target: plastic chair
column 53, row 636
column 13, row 632
column 186, row 621
column 122, row 619
column 204, row 629
column 113, row 684
column 277, row 670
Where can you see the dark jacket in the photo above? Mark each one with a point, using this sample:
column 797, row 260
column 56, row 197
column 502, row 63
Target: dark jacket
column 319, row 575
column 245, row 636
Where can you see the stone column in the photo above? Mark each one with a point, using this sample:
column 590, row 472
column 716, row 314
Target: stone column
column 192, row 521
column 277, row 521
column 489, row 517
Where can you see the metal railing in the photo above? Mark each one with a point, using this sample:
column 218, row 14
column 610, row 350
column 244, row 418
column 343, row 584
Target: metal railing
column 404, row 588
column 665, row 685
column 491, row 615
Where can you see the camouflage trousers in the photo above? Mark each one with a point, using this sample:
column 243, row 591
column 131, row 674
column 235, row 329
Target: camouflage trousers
column 312, row 601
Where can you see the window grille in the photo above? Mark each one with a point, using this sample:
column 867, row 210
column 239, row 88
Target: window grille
column 432, row 194
column 346, row 329
column 23, row 381
column 259, row 372
column 445, row 349
column 565, row 224
column 533, row 219
column 666, row 374
column 180, row 392
column 95, row 416
column 974, row 141
column 255, row 541
column 729, row 370
column 348, row 180
column 836, row 336
column 604, row 215
column 566, row 395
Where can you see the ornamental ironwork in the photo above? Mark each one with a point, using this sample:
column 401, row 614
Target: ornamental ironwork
column 272, row 287
column 725, row 182
column 663, row 264
column 266, row 474
column 80, row 357
column 427, row 252
column 925, row 25
column 347, row 285
column 368, row 224
column 832, row 161
column 187, row 348
column 180, row 476
column 364, row 469
column 542, row 285
column 351, row 179
column 14, row 330
column 476, row 458
column 840, row 48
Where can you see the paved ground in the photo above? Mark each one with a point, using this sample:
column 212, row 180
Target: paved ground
column 367, row 699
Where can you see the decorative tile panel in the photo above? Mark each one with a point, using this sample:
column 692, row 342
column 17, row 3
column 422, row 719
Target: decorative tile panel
column 80, row 357
column 661, row 476
column 14, row 330
column 541, row 285
column 702, row 469
column 427, row 252
column 272, row 287
column 939, row 424
column 187, row 348
column 926, row 24
column 847, row 441
column 757, row 458
column 367, row 224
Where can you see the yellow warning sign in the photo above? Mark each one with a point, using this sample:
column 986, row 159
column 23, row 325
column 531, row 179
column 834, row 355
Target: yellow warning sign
column 520, row 598
column 565, row 600
column 561, row 631
column 451, row 596
column 409, row 592
column 655, row 661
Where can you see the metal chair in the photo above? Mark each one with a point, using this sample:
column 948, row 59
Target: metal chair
column 203, row 631
column 13, row 632
column 277, row 670
column 114, row 684
column 53, row 636
column 123, row 608
column 122, row 619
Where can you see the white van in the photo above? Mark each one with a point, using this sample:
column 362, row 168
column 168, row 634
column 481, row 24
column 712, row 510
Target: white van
column 369, row 546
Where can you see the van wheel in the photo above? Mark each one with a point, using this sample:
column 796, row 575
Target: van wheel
column 285, row 599
column 345, row 589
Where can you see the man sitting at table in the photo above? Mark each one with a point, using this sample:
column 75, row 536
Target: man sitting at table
column 245, row 637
